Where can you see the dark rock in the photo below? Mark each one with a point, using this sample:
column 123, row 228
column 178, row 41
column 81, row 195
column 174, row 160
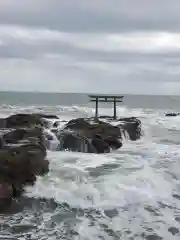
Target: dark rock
column 90, row 130
column 6, row 173
column 172, row 114
column 74, row 142
column 104, row 135
column 79, row 123
column 100, row 145
column 22, row 120
column 113, row 142
column 131, row 126
column 152, row 237
column 6, row 195
column 177, row 196
column 111, row 212
column 1, row 142
column 25, row 160
column 22, row 159
column 15, row 135
column 173, row 230
column 2, row 123
column 106, row 130
column 25, row 120
column 110, row 135
column 177, row 219
column 48, row 116
column 106, row 117
column 130, row 119
column 55, row 124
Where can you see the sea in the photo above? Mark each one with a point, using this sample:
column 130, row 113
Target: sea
column 131, row 193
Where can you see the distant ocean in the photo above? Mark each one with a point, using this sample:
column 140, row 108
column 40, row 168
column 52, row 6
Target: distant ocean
column 69, row 99
column 132, row 193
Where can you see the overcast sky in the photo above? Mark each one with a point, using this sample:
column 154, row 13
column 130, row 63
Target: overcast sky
column 108, row 46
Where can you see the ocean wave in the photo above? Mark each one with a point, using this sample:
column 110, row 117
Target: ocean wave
column 131, row 193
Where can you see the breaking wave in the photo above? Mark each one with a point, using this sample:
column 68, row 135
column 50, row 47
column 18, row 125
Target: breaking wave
column 132, row 193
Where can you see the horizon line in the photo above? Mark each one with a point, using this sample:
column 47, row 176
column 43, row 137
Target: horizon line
column 88, row 93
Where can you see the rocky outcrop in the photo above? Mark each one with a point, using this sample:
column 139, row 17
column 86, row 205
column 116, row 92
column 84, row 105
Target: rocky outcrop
column 103, row 135
column 90, row 129
column 22, row 159
column 24, row 139
column 24, row 120
column 104, row 131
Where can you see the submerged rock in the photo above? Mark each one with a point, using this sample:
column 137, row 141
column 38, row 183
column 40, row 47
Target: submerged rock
column 172, row 114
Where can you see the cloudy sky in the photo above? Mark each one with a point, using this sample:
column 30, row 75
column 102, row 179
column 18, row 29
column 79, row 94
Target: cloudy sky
column 109, row 46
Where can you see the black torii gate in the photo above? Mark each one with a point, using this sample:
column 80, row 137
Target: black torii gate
column 106, row 98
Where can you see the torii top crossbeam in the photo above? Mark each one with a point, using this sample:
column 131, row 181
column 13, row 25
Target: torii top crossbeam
column 106, row 98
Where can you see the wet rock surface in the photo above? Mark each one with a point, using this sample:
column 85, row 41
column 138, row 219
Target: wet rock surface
column 90, row 136
column 22, row 156
column 109, row 135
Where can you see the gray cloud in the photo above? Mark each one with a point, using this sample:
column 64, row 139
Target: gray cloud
column 117, row 46
column 100, row 15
